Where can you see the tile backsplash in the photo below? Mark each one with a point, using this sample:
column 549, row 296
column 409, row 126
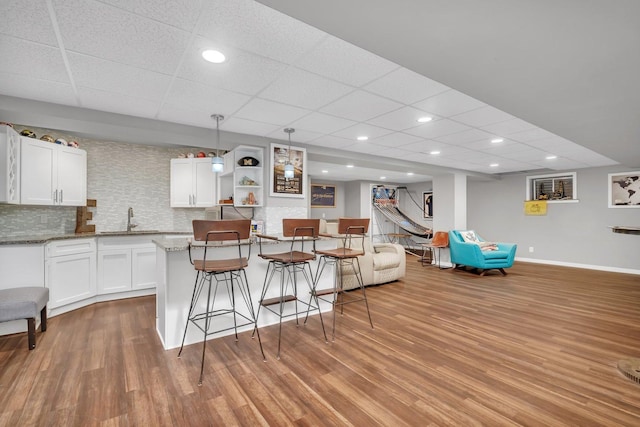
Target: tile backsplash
column 119, row 176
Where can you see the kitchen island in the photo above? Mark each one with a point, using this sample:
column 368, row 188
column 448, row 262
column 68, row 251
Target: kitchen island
column 176, row 277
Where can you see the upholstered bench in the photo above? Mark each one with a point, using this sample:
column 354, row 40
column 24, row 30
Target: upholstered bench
column 25, row 303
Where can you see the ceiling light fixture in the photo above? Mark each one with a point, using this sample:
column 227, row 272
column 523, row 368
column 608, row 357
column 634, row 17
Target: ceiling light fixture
column 494, row 165
column 424, row 119
column 551, row 157
column 325, row 171
column 434, row 152
column 497, row 140
column 362, row 138
column 410, row 173
column 288, row 167
column 349, row 166
column 214, row 56
column 217, row 162
column 383, row 177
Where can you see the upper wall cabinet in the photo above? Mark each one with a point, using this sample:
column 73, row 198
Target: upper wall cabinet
column 9, row 165
column 52, row 174
column 243, row 176
column 193, row 183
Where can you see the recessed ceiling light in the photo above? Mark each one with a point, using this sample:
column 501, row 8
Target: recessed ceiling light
column 434, row 152
column 409, row 173
column 551, row 157
column 494, row 165
column 325, row 171
column 349, row 166
column 497, row 140
column 424, row 119
column 214, row 56
column 362, row 138
column 383, row 177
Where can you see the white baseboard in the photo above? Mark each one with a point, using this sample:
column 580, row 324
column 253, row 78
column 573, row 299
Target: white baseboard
column 578, row 265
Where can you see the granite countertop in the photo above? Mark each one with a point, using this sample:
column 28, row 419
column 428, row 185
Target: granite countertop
column 45, row 238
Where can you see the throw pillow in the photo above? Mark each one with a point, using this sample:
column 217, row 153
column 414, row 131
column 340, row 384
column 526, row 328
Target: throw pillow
column 469, row 236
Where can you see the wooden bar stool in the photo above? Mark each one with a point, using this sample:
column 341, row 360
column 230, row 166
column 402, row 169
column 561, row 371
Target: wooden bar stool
column 230, row 272
column 352, row 232
column 288, row 264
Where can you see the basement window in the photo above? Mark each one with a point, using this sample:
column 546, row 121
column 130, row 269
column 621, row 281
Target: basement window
column 553, row 187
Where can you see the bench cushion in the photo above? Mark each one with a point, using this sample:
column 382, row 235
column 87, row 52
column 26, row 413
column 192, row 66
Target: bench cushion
column 22, row 303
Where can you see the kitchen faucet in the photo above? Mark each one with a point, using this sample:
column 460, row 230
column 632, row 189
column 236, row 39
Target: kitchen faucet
column 129, row 216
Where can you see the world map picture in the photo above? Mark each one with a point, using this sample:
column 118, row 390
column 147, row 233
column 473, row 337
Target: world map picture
column 625, row 189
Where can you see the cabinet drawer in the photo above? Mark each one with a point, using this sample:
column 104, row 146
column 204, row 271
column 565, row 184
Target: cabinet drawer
column 69, row 247
column 126, row 242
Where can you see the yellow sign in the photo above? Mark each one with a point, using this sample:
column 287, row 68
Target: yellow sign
column 535, row 207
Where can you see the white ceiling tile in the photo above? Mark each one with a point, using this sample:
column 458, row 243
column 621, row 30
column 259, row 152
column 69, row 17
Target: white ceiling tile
column 100, row 30
column 427, row 146
column 178, row 13
column 360, row 106
column 329, row 141
column 243, row 72
column 304, row 89
column 27, row 19
column 393, row 153
column 110, row 76
column 256, row 28
column 401, row 119
column 562, row 164
column 117, row 103
column 264, row 111
column 322, row 123
column 449, row 103
column 31, row 59
column 531, row 135
column 405, row 86
column 299, row 135
column 396, row 139
column 437, row 129
column 344, row 62
column 465, row 137
column 188, row 95
column 508, row 127
column 41, row 90
column 362, row 129
column 249, row 127
column 482, row 116
column 511, row 147
column 526, row 155
column 185, row 115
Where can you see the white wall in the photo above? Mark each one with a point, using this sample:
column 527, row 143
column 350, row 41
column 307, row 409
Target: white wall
column 570, row 233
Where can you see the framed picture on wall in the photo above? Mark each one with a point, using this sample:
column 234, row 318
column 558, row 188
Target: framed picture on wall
column 624, row 190
column 427, row 204
column 323, row 196
column 288, row 187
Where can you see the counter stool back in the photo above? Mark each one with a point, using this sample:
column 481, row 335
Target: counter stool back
column 288, row 265
column 230, row 272
column 352, row 232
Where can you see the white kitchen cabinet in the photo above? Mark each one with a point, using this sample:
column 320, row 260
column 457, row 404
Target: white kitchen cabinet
column 245, row 183
column 70, row 271
column 126, row 263
column 9, row 165
column 52, row 174
column 193, row 183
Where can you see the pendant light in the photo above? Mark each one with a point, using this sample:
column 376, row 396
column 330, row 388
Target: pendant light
column 217, row 163
column 288, row 167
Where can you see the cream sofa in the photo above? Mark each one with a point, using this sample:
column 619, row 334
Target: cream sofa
column 381, row 262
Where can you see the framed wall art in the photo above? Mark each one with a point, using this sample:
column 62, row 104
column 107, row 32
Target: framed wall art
column 427, row 204
column 288, row 187
column 323, row 196
column 624, row 190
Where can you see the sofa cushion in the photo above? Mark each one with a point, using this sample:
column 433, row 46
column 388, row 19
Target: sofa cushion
column 495, row 254
column 385, row 260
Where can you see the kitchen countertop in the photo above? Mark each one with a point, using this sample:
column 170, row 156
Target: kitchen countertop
column 45, row 238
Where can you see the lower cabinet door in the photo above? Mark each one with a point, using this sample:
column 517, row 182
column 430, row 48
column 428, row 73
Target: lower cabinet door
column 70, row 278
column 143, row 271
column 114, row 271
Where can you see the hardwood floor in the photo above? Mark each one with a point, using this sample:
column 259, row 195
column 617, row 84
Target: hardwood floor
column 537, row 347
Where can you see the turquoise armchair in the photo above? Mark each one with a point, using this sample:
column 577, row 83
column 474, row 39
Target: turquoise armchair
column 470, row 254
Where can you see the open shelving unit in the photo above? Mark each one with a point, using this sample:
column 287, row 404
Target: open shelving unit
column 242, row 180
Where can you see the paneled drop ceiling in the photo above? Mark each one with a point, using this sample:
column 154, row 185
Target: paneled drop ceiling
column 143, row 58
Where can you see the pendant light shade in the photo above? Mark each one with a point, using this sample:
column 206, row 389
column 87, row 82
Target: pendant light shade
column 288, row 167
column 217, row 162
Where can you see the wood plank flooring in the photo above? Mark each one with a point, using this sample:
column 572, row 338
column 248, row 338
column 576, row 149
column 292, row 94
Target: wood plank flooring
column 537, row 347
